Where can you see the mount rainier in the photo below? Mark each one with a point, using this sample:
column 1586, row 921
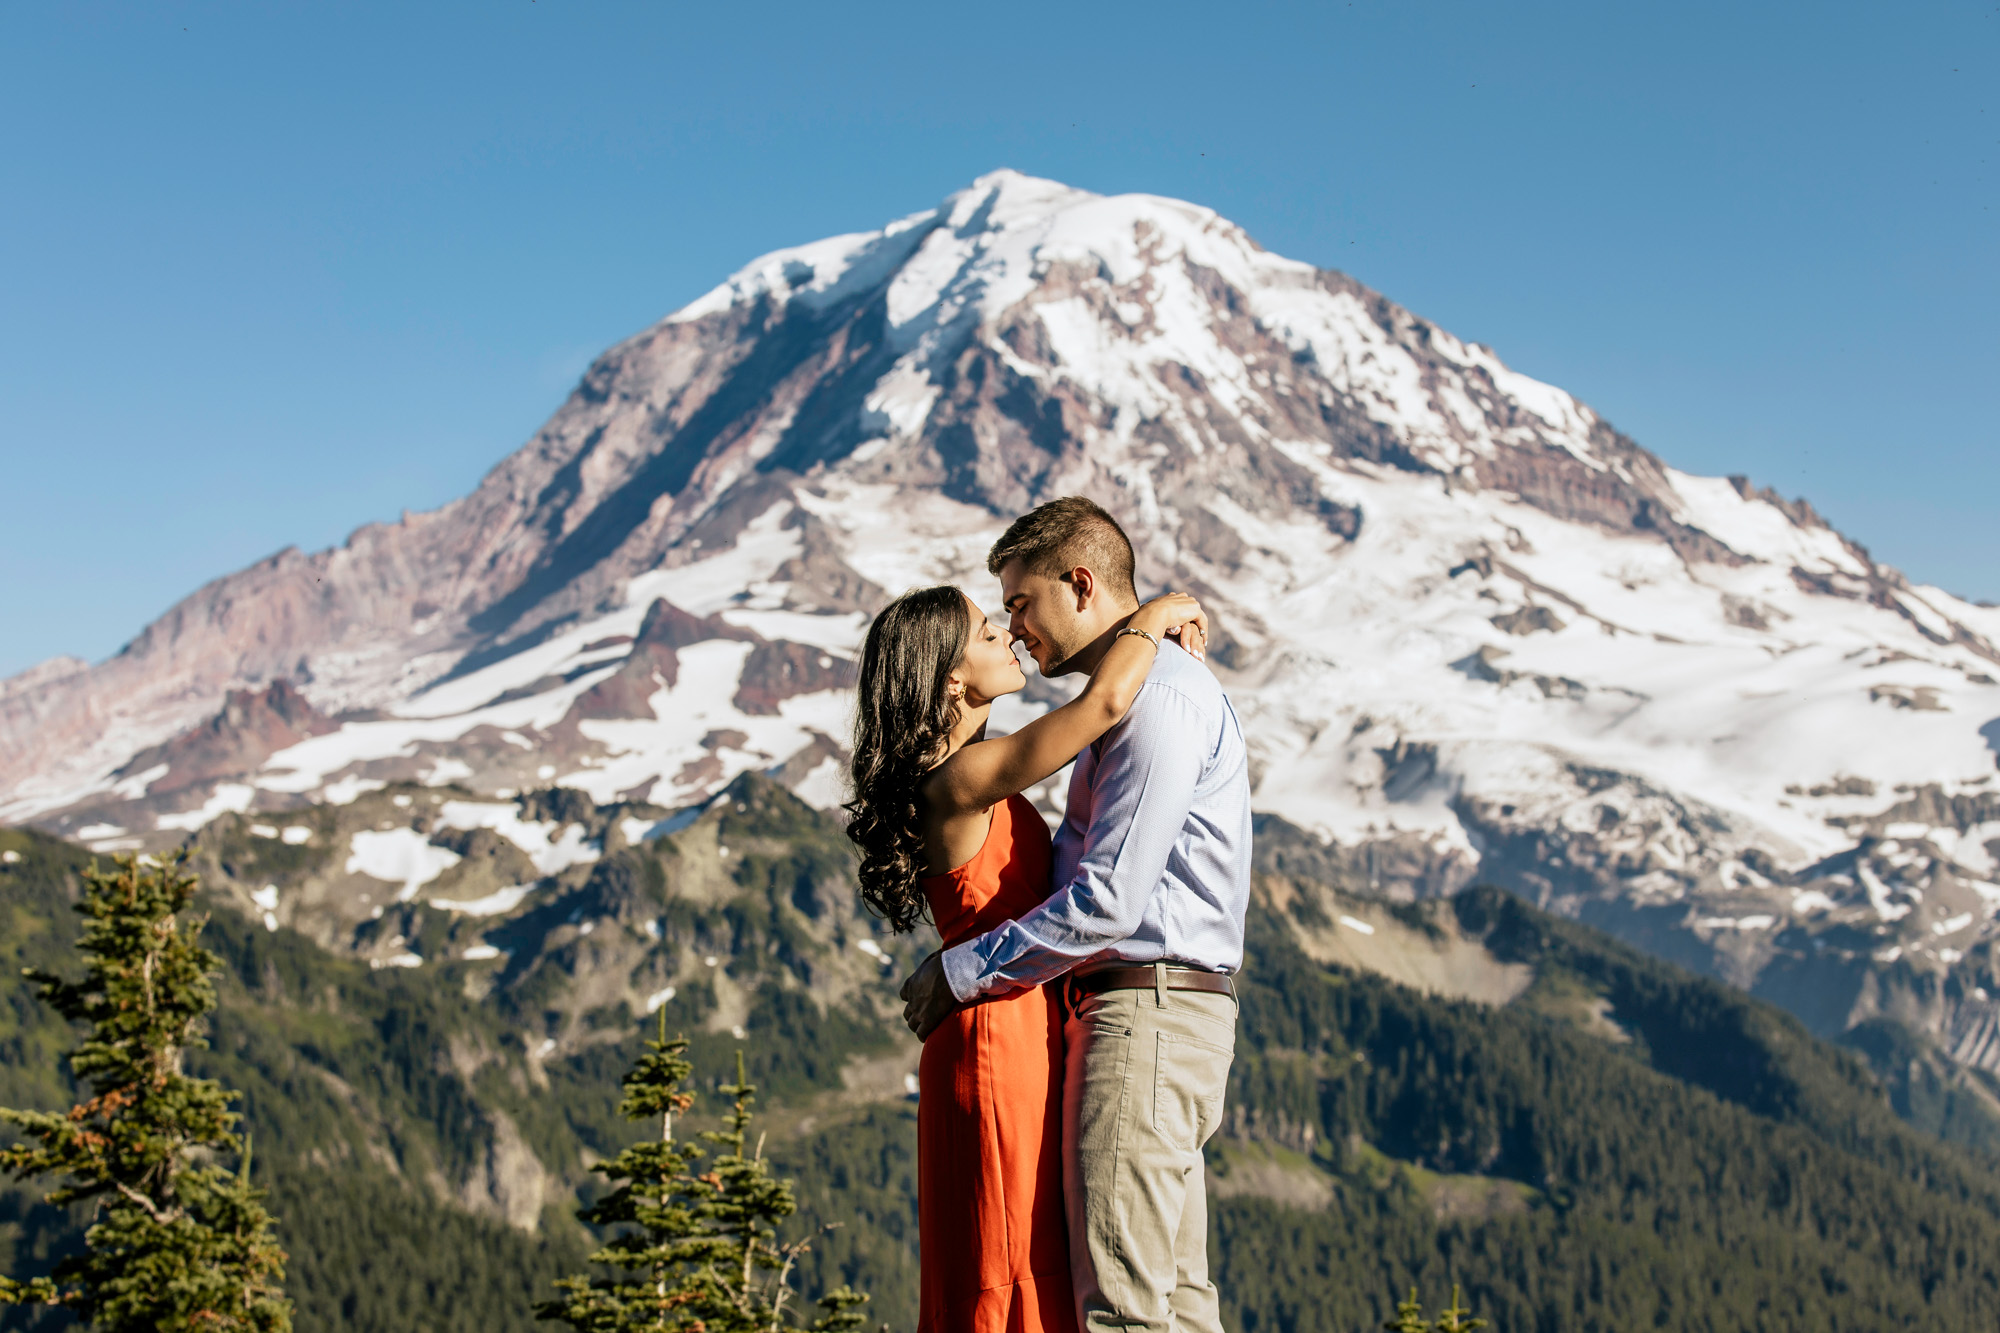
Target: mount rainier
column 1474, row 632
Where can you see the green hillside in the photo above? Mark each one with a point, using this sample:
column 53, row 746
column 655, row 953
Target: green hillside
column 1718, row 1169
column 1605, row 1143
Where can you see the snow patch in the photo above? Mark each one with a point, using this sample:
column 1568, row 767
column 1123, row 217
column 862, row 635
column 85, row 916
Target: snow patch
column 825, row 787
column 400, row 856
column 493, row 904
column 446, row 770
column 552, row 850
column 346, row 791
column 231, row 798
column 134, row 787
column 1758, row 921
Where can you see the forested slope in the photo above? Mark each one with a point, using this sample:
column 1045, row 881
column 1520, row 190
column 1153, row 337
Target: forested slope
column 1643, row 1199
column 1621, row 1145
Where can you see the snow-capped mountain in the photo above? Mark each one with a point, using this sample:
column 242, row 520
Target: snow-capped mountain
column 1474, row 631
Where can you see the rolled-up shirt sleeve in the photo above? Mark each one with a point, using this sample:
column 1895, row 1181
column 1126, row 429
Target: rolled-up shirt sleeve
column 1147, row 771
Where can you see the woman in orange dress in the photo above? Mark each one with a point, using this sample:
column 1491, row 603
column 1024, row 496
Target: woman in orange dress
column 944, row 833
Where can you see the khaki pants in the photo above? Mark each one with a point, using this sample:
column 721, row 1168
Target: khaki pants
column 1142, row 1092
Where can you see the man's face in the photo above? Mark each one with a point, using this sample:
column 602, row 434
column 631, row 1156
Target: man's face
column 1044, row 615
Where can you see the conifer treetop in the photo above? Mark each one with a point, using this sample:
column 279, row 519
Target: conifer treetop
column 1453, row 1319
column 697, row 1250
column 173, row 1245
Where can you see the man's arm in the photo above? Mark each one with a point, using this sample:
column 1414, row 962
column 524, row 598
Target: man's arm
column 1146, row 777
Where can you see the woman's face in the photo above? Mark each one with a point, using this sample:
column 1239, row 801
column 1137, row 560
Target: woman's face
column 989, row 668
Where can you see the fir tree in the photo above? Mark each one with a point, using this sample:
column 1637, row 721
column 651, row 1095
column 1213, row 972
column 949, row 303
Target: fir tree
column 1409, row 1317
column 177, row 1242
column 698, row 1251
column 1456, row 1320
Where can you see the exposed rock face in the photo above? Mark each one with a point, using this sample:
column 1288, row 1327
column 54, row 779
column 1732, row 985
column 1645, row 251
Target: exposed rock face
column 41, row 674
column 511, row 1182
column 1473, row 630
column 654, row 662
column 251, row 727
column 779, row 671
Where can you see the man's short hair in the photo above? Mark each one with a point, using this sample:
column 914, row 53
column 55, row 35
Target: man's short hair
column 1054, row 538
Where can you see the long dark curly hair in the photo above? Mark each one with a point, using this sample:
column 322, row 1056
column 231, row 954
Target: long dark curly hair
column 902, row 719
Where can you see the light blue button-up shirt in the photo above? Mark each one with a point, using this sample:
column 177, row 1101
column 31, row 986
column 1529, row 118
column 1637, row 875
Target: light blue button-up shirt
column 1152, row 862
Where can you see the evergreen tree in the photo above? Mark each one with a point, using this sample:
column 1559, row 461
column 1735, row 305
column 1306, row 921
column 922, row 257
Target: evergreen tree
column 1457, row 1320
column 1409, row 1316
column 699, row 1250
column 177, row 1241
column 1453, row 1319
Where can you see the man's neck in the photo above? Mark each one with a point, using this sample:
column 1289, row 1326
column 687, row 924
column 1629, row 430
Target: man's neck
column 1084, row 660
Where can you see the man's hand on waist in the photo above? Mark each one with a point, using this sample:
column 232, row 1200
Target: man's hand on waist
column 927, row 997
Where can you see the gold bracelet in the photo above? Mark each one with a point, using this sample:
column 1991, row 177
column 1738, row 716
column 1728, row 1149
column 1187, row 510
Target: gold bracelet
column 1133, row 629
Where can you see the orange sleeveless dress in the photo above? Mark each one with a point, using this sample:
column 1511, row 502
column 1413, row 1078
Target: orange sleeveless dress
column 994, row 1248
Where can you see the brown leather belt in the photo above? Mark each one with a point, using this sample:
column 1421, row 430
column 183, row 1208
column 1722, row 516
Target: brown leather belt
column 1143, row 978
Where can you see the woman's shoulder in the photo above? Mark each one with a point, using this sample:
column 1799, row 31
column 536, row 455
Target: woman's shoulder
column 938, row 775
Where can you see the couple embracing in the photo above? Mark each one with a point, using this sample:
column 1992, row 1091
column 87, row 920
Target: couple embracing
column 1079, row 1023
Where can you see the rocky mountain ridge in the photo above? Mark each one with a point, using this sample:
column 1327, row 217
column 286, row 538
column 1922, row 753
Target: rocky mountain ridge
column 1475, row 633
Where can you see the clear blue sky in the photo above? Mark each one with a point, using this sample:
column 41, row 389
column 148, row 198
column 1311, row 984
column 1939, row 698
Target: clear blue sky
column 268, row 272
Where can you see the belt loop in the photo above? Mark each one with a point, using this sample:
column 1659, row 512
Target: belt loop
column 1160, row 984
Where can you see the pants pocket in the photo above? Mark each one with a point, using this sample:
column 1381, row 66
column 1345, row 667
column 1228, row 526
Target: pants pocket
column 1189, row 1079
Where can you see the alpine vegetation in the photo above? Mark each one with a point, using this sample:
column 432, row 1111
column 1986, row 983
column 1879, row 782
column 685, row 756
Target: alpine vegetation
column 178, row 1240
column 697, row 1250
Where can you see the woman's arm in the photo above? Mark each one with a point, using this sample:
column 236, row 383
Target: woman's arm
column 992, row 770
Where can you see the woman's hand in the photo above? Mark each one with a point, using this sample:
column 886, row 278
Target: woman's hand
column 1175, row 615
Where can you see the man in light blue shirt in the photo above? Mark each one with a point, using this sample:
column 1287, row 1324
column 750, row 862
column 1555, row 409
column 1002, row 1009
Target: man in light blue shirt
column 1152, row 879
